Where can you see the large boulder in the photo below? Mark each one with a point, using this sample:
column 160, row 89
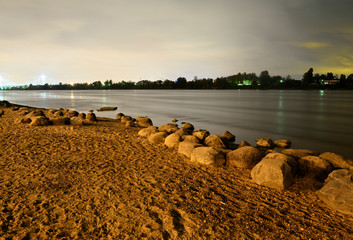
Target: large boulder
column 169, row 128
column 182, row 132
column 265, row 142
column 172, row 141
column 91, row 117
column 190, row 138
column 228, row 136
column 299, row 153
column 39, row 121
column 186, row 148
column 60, row 121
column 288, row 159
column 338, row 191
column 243, row 144
column 157, row 138
column 283, row 143
column 273, row 173
column 338, row 161
column 125, row 119
column 71, row 113
column 76, row 121
column 208, row 156
column 188, row 127
column 214, row 141
column 146, row 132
column 315, row 167
column 244, row 157
column 144, row 122
column 201, row 134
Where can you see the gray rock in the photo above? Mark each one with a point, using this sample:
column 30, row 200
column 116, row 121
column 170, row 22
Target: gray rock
column 168, row 128
column 146, row 132
column 299, row 153
column 338, row 191
column 265, row 142
column 228, row 136
column 208, row 156
column 39, row 121
column 315, row 167
column 144, row 122
column 201, row 134
column 283, row 143
column 157, row 138
column 190, row 138
column 172, row 141
column 273, row 173
column 338, row 161
column 287, row 159
column 214, row 141
column 60, row 121
column 91, row 117
column 186, row 148
column 244, row 157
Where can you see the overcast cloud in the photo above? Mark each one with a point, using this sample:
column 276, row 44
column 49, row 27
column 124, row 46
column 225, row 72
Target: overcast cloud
column 87, row 40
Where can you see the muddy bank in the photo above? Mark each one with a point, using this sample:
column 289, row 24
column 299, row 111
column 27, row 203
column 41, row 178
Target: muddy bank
column 103, row 181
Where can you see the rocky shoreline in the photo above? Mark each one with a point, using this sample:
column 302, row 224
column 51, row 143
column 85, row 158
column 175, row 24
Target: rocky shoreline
column 147, row 182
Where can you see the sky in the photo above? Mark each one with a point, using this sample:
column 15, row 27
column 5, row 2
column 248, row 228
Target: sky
column 89, row 40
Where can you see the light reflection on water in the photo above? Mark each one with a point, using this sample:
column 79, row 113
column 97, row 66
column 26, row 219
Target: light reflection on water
column 321, row 120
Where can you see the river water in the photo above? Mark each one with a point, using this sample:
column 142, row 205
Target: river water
column 320, row 120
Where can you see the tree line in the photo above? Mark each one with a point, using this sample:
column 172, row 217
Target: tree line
column 238, row 81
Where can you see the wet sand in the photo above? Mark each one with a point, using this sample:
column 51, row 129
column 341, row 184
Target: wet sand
column 102, row 181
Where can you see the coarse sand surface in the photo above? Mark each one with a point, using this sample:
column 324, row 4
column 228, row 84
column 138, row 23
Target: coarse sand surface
column 102, row 181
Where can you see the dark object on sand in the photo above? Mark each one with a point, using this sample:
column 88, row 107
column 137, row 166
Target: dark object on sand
column 107, row 109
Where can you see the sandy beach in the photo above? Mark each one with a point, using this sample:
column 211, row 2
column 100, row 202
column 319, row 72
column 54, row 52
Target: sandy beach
column 102, row 181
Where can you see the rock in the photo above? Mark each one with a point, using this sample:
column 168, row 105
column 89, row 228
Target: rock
column 50, row 111
column 82, row 115
column 201, row 134
column 119, row 115
column 214, row 141
column 35, row 113
column 338, row 191
column 182, row 132
column 91, row 117
column 77, row 121
column 90, row 111
column 265, row 142
column 244, row 157
column 39, row 121
column 5, row 104
column 186, row 148
column 190, row 138
column 338, row 161
column 129, row 124
column 23, row 120
column 315, row 167
column 168, row 128
column 60, row 121
column 125, row 119
column 157, row 138
column 107, row 109
column 15, row 108
column 146, row 132
column 283, row 143
column 208, row 156
column 232, row 146
column 288, row 159
column 144, row 122
column 299, row 153
column 228, row 136
column 172, row 141
column 71, row 113
column 58, row 114
column 174, row 120
column 273, row 173
column 243, row 144
column 65, row 110
column 188, row 127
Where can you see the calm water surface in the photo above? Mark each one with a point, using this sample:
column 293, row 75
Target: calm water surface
column 318, row 120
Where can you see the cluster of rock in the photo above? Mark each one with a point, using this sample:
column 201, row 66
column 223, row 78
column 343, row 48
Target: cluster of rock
column 44, row 117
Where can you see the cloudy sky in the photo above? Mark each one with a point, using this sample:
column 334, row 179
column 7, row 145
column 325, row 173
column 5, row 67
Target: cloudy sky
column 90, row 40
